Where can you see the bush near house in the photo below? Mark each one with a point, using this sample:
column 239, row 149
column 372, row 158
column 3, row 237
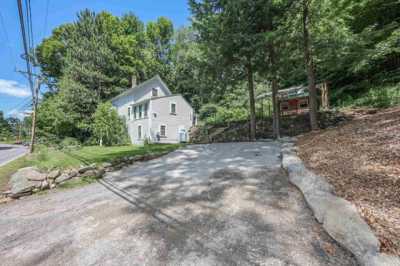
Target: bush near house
column 108, row 128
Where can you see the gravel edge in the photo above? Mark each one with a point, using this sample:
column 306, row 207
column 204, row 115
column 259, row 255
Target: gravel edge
column 338, row 216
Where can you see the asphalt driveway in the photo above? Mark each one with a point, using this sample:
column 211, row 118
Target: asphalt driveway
column 10, row 152
column 219, row 204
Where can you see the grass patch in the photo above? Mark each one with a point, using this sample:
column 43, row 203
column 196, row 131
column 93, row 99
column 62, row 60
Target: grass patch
column 46, row 158
column 78, row 182
column 49, row 158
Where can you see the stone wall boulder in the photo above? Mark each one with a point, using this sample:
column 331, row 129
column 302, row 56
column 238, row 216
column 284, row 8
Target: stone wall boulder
column 66, row 175
column 32, row 174
column 84, row 169
column 54, row 174
column 24, row 181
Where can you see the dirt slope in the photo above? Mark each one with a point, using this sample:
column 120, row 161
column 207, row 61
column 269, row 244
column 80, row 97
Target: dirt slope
column 361, row 158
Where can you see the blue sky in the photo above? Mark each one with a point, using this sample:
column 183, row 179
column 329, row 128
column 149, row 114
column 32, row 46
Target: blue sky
column 14, row 93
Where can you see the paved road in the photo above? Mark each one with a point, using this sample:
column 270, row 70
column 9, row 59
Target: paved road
column 219, row 204
column 11, row 152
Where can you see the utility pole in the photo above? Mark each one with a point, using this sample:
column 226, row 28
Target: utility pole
column 34, row 114
column 27, row 41
column 35, row 102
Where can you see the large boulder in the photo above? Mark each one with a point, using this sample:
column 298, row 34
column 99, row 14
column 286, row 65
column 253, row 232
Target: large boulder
column 32, row 174
column 24, row 181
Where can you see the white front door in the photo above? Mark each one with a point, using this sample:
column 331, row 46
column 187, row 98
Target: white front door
column 182, row 134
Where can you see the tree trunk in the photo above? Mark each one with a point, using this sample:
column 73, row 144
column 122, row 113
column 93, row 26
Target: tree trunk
column 276, row 117
column 251, row 100
column 310, row 68
column 275, row 108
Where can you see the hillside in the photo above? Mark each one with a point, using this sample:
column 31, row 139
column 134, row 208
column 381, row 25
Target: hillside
column 361, row 159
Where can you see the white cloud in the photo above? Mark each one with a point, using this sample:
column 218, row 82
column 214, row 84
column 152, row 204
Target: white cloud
column 13, row 88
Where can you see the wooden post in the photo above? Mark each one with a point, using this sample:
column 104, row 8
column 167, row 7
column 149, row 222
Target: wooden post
column 324, row 96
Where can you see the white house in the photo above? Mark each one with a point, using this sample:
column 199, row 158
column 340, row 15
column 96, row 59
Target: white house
column 152, row 112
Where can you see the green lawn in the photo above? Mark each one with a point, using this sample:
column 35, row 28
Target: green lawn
column 50, row 158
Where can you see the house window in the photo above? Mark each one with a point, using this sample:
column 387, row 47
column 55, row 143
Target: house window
column 129, row 113
column 146, row 109
column 284, row 106
column 163, row 129
column 135, row 112
column 154, row 92
column 303, row 104
column 173, row 108
column 139, row 132
column 140, row 111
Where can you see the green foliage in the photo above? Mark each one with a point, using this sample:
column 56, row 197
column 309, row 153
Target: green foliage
column 108, row 127
column 93, row 59
column 377, row 97
column 5, row 128
column 355, row 47
column 227, row 115
column 208, row 110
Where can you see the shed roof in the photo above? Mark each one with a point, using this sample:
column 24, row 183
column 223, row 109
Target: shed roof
column 293, row 92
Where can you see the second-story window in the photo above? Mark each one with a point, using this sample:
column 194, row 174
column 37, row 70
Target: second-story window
column 140, row 111
column 173, row 108
column 135, row 112
column 154, row 92
column 146, row 109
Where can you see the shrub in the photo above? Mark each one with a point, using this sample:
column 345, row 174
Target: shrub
column 108, row 128
column 207, row 110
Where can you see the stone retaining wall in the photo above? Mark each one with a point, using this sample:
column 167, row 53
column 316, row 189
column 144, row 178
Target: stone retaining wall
column 29, row 180
column 338, row 216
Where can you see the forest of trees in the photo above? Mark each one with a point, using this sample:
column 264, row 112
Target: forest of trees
column 231, row 52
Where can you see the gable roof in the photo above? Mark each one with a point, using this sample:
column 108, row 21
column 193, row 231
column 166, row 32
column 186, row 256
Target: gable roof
column 162, row 97
column 141, row 85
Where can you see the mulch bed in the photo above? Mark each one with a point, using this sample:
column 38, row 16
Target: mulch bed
column 361, row 159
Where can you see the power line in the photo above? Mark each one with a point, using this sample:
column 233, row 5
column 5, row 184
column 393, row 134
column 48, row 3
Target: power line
column 29, row 23
column 22, row 103
column 24, row 41
column 45, row 19
column 28, row 47
column 31, row 30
